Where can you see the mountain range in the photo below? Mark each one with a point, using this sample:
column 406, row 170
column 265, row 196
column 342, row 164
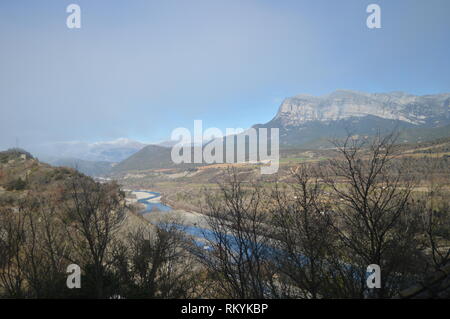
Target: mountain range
column 110, row 151
column 433, row 110
column 306, row 120
column 94, row 159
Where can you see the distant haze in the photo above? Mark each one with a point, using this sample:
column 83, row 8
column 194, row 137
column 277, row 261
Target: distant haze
column 138, row 69
column 112, row 151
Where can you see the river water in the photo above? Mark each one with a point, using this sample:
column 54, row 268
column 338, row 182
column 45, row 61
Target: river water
column 198, row 232
column 149, row 206
column 203, row 235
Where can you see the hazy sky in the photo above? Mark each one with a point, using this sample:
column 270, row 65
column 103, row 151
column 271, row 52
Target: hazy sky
column 141, row 68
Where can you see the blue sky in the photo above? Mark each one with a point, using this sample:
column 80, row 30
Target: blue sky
column 141, row 68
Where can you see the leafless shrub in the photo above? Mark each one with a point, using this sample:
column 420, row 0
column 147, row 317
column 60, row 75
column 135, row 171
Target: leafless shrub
column 238, row 258
column 304, row 237
column 153, row 262
column 93, row 214
column 372, row 217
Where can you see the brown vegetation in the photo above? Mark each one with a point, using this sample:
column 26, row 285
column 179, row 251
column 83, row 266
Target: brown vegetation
column 310, row 235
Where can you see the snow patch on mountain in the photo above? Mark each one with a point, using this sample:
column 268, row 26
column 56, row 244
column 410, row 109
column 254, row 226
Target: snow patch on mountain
column 108, row 151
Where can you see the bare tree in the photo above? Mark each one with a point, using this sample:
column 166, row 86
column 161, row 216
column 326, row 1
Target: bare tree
column 46, row 250
column 153, row 262
column 438, row 232
column 12, row 239
column 371, row 211
column 303, row 234
column 434, row 207
column 238, row 257
column 94, row 212
column 33, row 249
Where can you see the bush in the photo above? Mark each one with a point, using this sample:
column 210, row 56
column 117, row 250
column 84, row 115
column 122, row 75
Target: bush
column 16, row 185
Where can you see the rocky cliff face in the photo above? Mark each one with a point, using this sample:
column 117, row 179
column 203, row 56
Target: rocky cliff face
column 311, row 121
column 429, row 110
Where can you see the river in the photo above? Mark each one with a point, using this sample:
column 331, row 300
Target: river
column 151, row 205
